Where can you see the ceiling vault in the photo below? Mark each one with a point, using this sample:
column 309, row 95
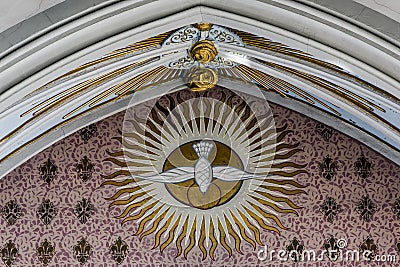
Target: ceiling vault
column 199, row 52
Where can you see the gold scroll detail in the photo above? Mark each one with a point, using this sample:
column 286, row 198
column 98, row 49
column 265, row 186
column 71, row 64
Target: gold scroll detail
column 203, row 51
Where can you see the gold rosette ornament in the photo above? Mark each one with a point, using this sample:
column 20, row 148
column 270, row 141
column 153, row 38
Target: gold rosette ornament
column 203, row 26
column 202, row 79
column 203, row 51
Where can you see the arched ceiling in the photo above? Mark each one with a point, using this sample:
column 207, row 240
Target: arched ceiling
column 14, row 12
column 386, row 7
column 89, row 66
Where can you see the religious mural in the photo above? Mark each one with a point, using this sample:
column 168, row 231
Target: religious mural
column 213, row 178
column 206, row 169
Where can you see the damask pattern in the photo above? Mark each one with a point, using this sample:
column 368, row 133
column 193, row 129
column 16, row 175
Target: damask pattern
column 363, row 167
column 325, row 131
column 84, row 210
column 9, row 253
column 82, row 251
column 26, row 187
column 119, row 250
column 332, row 248
column 45, row 252
column 295, row 250
column 11, row 212
column 85, row 169
column 330, row 209
column 328, row 168
column 47, row 211
column 369, row 249
column 48, row 171
column 88, row 132
column 366, row 208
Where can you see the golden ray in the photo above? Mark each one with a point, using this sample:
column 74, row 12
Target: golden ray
column 261, row 222
column 266, row 44
column 192, row 241
column 214, row 242
column 202, row 239
column 222, row 238
column 170, row 235
column 157, row 238
column 274, row 206
column 181, row 237
column 154, row 226
column 278, row 85
column 134, row 206
column 336, row 89
column 124, row 191
column 283, row 190
column 242, row 231
column 116, row 174
column 268, row 216
column 120, row 183
column 70, row 92
column 146, row 220
column 232, row 232
column 146, row 44
column 129, row 200
column 142, row 210
column 253, row 228
column 229, row 226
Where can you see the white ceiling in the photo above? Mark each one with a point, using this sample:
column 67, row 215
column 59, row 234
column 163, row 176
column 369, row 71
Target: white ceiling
column 15, row 11
column 389, row 8
column 87, row 38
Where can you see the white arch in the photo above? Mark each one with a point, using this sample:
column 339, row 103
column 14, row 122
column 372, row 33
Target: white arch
column 88, row 37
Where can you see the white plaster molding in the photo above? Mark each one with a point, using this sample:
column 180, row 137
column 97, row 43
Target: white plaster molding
column 89, row 37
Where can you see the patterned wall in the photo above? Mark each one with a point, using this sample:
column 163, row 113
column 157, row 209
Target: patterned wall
column 54, row 210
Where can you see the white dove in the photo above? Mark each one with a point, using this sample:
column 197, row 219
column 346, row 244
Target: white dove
column 202, row 172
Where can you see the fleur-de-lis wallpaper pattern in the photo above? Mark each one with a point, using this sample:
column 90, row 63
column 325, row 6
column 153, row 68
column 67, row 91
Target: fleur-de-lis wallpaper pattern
column 51, row 214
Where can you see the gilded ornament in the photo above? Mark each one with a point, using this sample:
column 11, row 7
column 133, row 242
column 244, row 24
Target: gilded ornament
column 202, row 79
column 203, row 51
column 203, row 26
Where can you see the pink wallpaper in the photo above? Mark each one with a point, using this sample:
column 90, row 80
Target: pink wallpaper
column 95, row 221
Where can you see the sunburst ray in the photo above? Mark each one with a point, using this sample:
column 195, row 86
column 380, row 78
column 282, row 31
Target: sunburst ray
column 181, row 121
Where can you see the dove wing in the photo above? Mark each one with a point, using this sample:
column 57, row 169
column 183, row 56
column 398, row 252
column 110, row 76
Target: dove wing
column 176, row 175
column 231, row 174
